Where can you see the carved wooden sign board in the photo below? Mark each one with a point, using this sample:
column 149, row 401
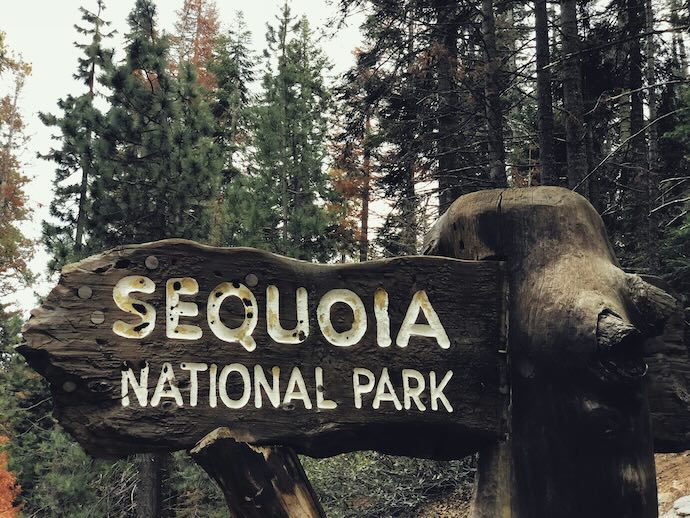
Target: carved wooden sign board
column 150, row 347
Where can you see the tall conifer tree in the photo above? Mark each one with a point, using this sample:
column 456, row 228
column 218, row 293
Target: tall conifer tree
column 233, row 69
column 159, row 165
column 288, row 212
column 65, row 236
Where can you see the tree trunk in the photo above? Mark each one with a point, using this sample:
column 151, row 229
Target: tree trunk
column 580, row 441
column 446, row 43
column 85, row 160
column 668, row 358
column 148, row 496
column 492, row 97
column 549, row 173
column 366, row 191
column 284, row 181
column 633, row 179
column 653, row 143
column 409, row 201
column 575, row 130
column 257, row 482
column 635, row 22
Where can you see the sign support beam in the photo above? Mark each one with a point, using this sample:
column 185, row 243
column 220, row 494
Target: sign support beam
column 579, row 438
column 257, row 481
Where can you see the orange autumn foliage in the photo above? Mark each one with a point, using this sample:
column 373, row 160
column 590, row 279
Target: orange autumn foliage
column 196, row 36
column 15, row 248
column 9, row 490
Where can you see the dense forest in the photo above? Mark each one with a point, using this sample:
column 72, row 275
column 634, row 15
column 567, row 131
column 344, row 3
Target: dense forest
column 191, row 134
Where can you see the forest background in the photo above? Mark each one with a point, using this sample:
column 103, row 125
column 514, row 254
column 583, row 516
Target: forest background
column 192, row 133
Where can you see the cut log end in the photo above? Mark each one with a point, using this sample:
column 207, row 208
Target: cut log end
column 652, row 305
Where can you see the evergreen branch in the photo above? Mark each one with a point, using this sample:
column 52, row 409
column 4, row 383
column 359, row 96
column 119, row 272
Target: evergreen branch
column 669, row 203
column 602, row 97
column 622, row 144
column 615, row 43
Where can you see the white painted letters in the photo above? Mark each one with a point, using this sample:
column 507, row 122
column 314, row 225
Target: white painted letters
column 383, row 321
column 141, row 386
column 193, row 369
column 167, row 377
column 146, row 311
column 359, row 389
column 243, row 333
column 272, row 391
column 434, row 328
column 410, row 393
column 385, row 392
column 287, row 336
column 297, row 382
column 223, row 385
column 437, row 391
column 359, row 318
column 174, row 309
column 321, row 403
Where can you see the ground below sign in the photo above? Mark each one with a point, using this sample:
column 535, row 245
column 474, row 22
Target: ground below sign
column 150, row 347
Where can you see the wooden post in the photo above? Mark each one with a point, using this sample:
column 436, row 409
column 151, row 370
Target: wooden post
column 579, row 441
column 257, row 481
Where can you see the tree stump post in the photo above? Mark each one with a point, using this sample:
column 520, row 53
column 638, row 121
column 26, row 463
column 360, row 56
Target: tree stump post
column 579, row 442
column 257, row 482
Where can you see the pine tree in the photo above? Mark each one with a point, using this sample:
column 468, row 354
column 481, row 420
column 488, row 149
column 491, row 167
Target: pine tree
column 65, row 237
column 290, row 191
column 233, row 69
column 159, row 165
column 572, row 98
column 352, row 152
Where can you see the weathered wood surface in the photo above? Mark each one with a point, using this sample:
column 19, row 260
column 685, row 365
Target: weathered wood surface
column 257, row 481
column 580, row 440
column 70, row 340
column 668, row 384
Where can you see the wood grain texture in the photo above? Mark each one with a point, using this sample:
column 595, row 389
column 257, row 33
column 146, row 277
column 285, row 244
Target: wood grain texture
column 257, row 481
column 668, row 384
column 580, row 441
column 84, row 361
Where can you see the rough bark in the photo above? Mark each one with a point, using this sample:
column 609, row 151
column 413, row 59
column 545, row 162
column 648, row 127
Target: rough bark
column 148, row 494
column 575, row 129
column 635, row 176
column 635, row 25
column 492, row 97
column 668, row 359
column 366, row 191
column 652, row 176
column 579, row 442
column 409, row 202
column 257, row 482
column 446, row 44
column 547, row 160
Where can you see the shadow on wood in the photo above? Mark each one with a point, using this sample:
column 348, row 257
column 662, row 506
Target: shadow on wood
column 257, row 481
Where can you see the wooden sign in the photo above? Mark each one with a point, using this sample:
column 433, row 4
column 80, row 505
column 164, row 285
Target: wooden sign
column 150, row 347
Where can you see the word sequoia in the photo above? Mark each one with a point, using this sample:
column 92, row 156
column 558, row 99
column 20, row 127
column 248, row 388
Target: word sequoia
column 175, row 308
